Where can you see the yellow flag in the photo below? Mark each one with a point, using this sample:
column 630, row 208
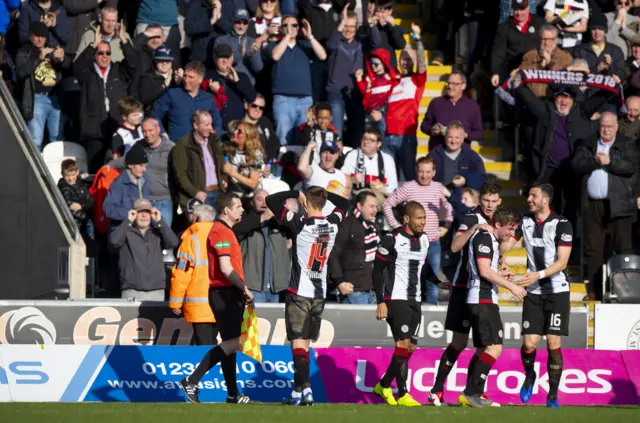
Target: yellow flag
column 249, row 339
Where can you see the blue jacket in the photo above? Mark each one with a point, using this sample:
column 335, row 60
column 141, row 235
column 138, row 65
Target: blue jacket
column 122, row 194
column 177, row 105
column 31, row 12
column 6, row 7
column 470, row 166
column 161, row 12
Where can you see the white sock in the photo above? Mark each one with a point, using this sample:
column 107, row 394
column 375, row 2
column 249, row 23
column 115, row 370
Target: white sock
column 295, row 394
column 306, row 391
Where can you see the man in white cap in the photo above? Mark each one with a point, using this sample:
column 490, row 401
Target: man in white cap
column 139, row 241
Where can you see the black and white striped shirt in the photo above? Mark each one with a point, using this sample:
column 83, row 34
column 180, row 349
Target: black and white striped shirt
column 474, row 217
column 403, row 256
column 541, row 242
column 482, row 246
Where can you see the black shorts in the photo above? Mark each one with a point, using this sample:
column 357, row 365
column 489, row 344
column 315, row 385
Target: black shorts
column 227, row 305
column 404, row 318
column 303, row 317
column 486, row 324
column 458, row 317
column 546, row 314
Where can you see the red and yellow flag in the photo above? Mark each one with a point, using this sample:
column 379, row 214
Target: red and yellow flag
column 249, row 339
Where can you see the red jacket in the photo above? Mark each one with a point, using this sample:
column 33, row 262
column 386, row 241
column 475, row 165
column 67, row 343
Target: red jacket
column 404, row 105
column 99, row 190
column 376, row 89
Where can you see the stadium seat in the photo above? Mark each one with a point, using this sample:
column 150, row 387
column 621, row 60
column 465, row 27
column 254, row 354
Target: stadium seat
column 273, row 186
column 295, row 149
column 621, row 279
column 56, row 152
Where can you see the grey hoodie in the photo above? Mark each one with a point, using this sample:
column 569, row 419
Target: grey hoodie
column 157, row 169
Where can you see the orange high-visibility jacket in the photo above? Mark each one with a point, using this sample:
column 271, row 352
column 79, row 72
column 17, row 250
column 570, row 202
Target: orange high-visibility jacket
column 190, row 275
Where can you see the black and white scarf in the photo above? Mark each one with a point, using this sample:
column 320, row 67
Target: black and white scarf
column 362, row 168
column 371, row 238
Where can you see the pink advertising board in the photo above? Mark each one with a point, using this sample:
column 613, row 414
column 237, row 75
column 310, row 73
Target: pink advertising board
column 590, row 377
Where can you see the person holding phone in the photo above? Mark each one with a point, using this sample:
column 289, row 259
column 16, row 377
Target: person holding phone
column 139, row 241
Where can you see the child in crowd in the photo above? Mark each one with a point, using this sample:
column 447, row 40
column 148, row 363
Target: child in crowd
column 376, row 87
column 470, row 198
column 319, row 128
column 130, row 132
column 76, row 194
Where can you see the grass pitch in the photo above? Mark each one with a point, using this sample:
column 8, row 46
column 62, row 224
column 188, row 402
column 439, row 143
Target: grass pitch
column 334, row 413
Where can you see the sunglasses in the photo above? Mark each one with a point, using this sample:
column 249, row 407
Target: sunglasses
column 376, row 64
column 257, row 106
column 104, row 53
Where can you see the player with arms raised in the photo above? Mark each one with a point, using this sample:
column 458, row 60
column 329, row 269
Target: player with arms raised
column 547, row 239
column 458, row 319
column 403, row 255
column 482, row 299
column 313, row 240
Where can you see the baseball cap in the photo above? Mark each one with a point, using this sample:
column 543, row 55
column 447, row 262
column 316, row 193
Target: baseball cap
column 39, row 29
column 519, row 4
column 563, row 90
column 222, row 50
column 192, row 204
column 163, row 54
column 329, row 145
column 240, row 15
column 142, row 205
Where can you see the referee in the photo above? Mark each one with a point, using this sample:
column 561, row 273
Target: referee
column 547, row 239
column 227, row 297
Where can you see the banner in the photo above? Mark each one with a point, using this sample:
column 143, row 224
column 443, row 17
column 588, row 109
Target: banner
column 138, row 374
column 77, row 373
column 617, row 327
column 114, row 322
column 589, row 377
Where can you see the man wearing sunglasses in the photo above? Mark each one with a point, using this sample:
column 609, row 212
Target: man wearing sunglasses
column 103, row 84
column 254, row 113
column 246, row 59
column 291, row 83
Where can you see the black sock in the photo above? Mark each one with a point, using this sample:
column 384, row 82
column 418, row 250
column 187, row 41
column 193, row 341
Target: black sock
column 402, row 370
column 472, row 365
column 528, row 360
column 554, row 367
column 447, row 361
column 389, row 375
column 475, row 383
column 301, row 365
column 228, row 365
column 211, row 358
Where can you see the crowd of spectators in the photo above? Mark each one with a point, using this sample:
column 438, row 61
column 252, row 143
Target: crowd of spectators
column 177, row 101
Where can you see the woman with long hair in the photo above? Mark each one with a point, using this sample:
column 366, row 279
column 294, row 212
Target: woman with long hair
column 244, row 158
column 267, row 20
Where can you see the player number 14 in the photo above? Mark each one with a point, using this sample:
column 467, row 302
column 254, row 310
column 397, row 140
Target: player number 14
column 318, row 255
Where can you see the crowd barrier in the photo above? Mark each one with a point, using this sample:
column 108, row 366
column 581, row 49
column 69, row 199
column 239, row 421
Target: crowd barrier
column 119, row 322
column 80, row 373
column 617, row 327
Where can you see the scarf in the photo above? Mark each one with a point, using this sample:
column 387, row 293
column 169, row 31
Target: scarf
column 558, row 78
column 104, row 75
column 361, row 168
column 371, row 238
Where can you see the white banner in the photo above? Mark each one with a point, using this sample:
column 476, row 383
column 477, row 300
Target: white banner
column 617, row 327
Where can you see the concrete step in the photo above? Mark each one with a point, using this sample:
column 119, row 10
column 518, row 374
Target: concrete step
column 502, row 170
column 438, row 73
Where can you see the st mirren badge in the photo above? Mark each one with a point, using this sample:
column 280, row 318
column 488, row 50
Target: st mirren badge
column 633, row 339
